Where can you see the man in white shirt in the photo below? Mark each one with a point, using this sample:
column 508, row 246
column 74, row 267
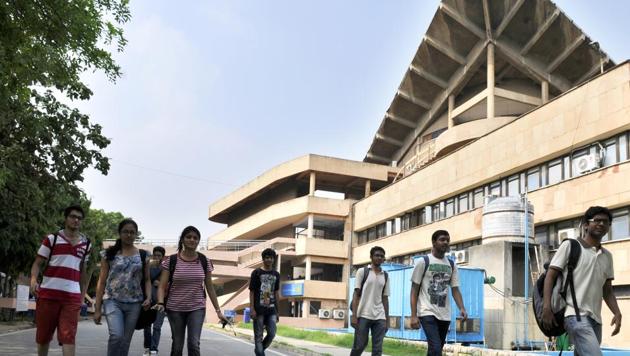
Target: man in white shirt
column 370, row 305
column 592, row 277
column 430, row 305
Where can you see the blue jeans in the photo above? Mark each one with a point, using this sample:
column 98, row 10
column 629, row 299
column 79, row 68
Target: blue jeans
column 180, row 321
column 261, row 323
column 585, row 335
column 121, row 322
column 361, row 336
column 435, row 330
column 151, row 342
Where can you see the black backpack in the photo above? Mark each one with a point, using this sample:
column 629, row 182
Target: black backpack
column 559, row 293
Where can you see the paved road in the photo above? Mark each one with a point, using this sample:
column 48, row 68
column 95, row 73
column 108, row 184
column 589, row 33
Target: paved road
column 92, row 341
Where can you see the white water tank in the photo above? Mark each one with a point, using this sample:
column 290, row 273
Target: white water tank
column 504, row 219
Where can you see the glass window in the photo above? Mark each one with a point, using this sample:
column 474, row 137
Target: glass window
column 449, row 207
column 554, row 172
column 436, row 212
column 422, row 217
column 362, row 238
column 533, row 179
column 462, row 203
column 623, row 147
column 397, row 225
column 414, row 219
column 495, row 188
column 478, row 198
column 380, row 230
column 405, row 221
column 541, row 235
column 371, row 235
column 513, row 186
column 567, row 167
column 620, row 227
column 388, row 227
column 610, row 152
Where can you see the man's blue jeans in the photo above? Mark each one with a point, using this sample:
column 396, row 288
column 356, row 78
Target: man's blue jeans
column 585, row 335
column 436, row 331
column 262, row 322
column 361, row 336
column 121, row 322
column 152, row 340
column 180, row 321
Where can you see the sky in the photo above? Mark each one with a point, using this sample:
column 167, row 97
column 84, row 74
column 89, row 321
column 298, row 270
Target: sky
column 215, row 93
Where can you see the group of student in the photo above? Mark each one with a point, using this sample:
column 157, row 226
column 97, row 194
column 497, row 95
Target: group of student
column 130, row 282
column 434, row 274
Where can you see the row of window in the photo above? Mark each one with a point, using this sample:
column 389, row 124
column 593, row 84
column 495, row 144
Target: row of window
column 552, row 234
column 603, row 153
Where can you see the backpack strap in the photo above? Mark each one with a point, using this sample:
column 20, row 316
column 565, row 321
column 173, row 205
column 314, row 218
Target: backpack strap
column 52, row 247
column 366, row 272
column 426, row 267
column 143, row 257
column 172, row 262
column 204, row 262
column 384, row 285
column 575, row 250
column 87, row 248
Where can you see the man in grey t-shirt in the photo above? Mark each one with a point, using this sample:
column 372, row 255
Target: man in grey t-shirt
column 592, row 278
column 430, row 305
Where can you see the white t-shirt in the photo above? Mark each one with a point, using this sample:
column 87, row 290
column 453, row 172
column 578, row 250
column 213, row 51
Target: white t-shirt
column 591, row 272
column 434, row 292
column 371, row 303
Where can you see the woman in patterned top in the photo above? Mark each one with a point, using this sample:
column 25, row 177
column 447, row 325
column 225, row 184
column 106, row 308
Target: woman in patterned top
column 119, row 289
column 186, row 303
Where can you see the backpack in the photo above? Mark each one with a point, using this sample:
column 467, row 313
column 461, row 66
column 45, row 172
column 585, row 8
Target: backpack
column 366, row 272
column 146, row 317
column 52, row 247
column 171, row 270
column 559, row 293
column 426, row 267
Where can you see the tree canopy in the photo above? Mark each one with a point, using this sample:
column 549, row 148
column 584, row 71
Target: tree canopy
column 45, row 144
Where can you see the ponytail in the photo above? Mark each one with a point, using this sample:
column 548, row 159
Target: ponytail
column 111, row 251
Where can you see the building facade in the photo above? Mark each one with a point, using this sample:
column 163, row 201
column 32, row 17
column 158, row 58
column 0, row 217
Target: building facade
column 501, row 99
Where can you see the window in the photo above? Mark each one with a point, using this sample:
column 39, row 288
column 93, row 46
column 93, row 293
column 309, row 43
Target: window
column 495, row 188
column 462, row 203
column 362, row 237
column 540, row 235
column 414, row 219
column 406, row 220
column 371, row 234
column 623, row 147
column 567, row 167
column 620, row 226
column 449, row 208
column 388, row 227
column 610, row 152
column 428, row 214
column 478, row 198
column 397, row 226
column 380, row 230
column 513, row 186
column 533, row 179
column 554, row 172
column 436, row 212
column 422, row 217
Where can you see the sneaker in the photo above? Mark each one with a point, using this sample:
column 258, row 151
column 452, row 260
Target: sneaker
column 147, row 352
column 153, row 352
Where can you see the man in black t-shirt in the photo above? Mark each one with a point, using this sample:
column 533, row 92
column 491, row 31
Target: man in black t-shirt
column 264, row 285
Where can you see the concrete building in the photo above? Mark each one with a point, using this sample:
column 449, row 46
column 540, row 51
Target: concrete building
column 501, row 98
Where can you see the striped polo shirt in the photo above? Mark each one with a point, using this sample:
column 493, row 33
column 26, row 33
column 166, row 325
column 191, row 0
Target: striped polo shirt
column 63, row 275
column 187, row 289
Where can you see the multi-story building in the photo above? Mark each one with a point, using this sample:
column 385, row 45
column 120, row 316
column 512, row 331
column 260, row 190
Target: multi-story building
column 502, row 98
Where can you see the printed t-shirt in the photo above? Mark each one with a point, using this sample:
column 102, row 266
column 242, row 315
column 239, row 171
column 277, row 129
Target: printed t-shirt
column 264, row 284
column 434, row 291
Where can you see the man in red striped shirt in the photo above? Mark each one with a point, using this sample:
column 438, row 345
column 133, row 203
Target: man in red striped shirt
column 65, row 279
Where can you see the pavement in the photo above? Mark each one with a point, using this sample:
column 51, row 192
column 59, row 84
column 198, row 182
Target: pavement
column 92, row 341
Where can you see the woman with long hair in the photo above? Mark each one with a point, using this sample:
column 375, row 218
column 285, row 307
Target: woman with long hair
column 184, row 276
column 121, row 282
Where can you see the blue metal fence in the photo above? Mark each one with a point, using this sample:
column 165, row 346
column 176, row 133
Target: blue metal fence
column 471, row 287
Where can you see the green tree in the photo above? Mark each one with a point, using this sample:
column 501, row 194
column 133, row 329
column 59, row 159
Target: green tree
column 46, row 145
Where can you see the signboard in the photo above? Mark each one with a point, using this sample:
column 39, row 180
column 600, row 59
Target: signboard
column 21, row 303
column 292, row 289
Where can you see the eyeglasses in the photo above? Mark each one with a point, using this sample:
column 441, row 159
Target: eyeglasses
column 604, row 222
column 74, row 216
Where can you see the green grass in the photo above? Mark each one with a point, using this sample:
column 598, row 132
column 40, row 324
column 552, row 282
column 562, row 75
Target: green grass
column 390, row 347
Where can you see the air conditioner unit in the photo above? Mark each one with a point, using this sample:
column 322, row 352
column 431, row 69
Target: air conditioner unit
column 451, row 255
column 566, row 234
column 461, row 256
column 325, row 314
column 339, row 314
column 587, row 163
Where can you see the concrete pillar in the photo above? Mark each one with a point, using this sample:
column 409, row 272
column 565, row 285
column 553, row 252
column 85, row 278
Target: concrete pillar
column 368, row 188
column 451, row 106
column 311, row 226
column 544, row 91
column 311, row 184
column 306, row 306
column 307, row 273
column 490, row 67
